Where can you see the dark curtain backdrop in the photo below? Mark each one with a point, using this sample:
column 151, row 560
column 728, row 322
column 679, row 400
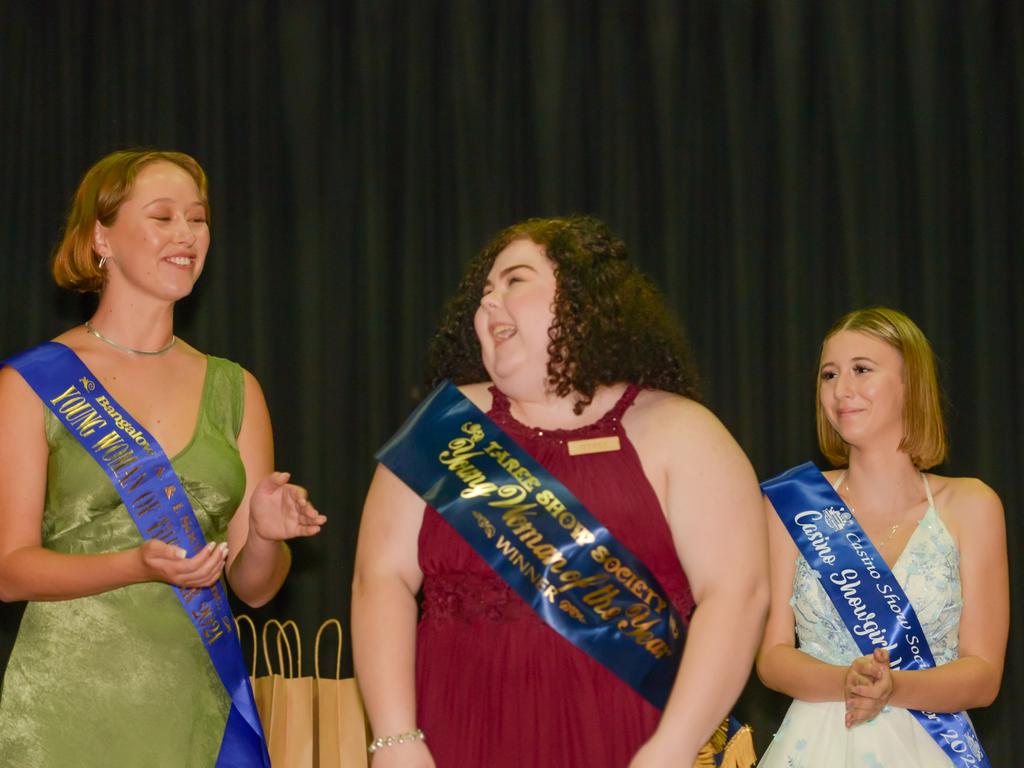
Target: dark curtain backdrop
column 772, row 164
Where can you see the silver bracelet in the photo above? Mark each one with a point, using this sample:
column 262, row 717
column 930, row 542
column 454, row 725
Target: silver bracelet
column 390, row 741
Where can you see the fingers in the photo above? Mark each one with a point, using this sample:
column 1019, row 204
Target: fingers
column 203, row 568
column 156, row 549
column 867, row 666
column 868, row 686
column 272, row 483
column 870, row 689
column 857, row 717
column 298, row 495
column 310, row 515
column 208, row 566
column 309, row 520
column 855, row 681
column 168, row 563
column 860, row 709
column 280, row 510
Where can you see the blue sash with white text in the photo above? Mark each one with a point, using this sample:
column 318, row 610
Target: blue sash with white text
column 542, row 542
column 867, row 596
column 152, row 493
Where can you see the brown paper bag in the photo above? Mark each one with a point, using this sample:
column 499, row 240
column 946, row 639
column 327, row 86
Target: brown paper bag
column 341, row 721
column 289, row 720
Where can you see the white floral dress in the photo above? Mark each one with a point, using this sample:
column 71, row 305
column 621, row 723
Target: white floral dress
column 814, row 734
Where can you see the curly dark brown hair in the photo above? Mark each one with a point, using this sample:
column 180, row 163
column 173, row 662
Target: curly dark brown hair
column 610, row 323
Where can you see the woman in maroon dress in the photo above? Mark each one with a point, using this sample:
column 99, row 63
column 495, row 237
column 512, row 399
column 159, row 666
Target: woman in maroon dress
column 560, row 340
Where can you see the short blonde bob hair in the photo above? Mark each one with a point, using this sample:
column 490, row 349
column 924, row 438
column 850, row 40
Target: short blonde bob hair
column 924, row 432
column 99, row 196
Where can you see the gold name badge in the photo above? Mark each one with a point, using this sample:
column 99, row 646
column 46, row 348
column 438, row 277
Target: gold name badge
column 594, row 445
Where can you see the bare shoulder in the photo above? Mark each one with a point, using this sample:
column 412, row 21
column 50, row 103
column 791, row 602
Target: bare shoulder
column 970, row 509
column 22, row 413
column 478, row 394
column 15, row 393
column 665, row 417
column 72, row 337
column 964, row 496
column 681, row 438
column 252, row 384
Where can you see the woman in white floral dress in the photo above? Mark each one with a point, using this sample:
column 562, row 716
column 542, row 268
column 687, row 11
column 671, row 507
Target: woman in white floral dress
column 944, row 539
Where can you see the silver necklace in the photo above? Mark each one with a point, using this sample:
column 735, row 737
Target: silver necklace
column 131, row 351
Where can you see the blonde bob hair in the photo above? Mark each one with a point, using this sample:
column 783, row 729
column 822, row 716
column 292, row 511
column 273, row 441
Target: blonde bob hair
column 924, row 432
column 99, row 196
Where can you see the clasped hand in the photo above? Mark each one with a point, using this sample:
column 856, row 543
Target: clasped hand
column 868, row 687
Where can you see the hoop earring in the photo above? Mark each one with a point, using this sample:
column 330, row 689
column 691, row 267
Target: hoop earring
column 103, row 260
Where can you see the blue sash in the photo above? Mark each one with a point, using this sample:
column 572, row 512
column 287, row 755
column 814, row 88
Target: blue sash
column 540, row 540
column 150, row 489
column 869, row 600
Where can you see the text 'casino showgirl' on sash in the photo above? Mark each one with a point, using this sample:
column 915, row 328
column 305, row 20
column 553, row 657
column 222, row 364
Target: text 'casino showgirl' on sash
column 152, row 493
column 864, row 591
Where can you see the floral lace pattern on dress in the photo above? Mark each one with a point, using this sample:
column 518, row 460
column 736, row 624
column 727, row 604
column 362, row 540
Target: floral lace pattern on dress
column 472, row 598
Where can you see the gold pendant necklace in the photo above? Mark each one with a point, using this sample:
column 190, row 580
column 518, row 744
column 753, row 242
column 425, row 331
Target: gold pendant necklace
column 853, row 509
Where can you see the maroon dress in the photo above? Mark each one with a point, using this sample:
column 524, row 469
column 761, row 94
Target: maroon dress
column 495, row 686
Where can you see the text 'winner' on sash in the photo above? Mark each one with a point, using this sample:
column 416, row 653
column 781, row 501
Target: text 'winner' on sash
column 531, row 530
column 151, row 491
column 864, row 591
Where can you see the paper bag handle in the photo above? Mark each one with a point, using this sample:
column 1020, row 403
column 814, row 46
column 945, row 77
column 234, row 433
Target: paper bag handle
column 280, row 655
column 298, row 646
column 316, row 651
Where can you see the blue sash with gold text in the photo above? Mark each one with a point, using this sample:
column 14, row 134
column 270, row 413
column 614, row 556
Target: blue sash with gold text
column 867, row 596
column 541, row 541
column 152, row 493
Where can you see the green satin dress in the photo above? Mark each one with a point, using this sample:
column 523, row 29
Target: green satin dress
column 121, row 678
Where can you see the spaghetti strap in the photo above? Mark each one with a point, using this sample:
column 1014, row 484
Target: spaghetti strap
column 839, row 480
column 625, row 400
column 928, row 491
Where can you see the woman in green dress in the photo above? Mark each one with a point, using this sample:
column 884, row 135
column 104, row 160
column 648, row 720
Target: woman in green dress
column 108, row 669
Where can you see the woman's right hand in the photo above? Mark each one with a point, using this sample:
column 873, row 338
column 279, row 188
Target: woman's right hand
column 167, row 563
column 868, row 686
column 412, row 754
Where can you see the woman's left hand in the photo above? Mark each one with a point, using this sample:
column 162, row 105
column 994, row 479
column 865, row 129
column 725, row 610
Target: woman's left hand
column 279, row 510
column 868, row 687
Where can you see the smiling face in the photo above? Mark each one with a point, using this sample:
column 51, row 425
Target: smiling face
column 157, row 243
column 861, row 389
column 515, row 315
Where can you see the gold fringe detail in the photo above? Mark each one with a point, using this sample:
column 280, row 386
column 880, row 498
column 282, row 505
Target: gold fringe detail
column 738, row 752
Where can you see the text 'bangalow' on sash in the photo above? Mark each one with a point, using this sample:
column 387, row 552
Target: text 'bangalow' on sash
column 543, row 543
column 152, row 493
column 864, row 591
